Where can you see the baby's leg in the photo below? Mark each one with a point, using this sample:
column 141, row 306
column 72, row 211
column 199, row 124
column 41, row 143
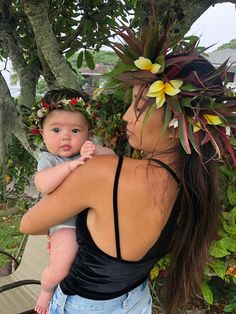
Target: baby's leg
column 63, row 248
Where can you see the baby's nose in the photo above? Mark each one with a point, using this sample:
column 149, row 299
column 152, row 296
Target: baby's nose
column 65, row 135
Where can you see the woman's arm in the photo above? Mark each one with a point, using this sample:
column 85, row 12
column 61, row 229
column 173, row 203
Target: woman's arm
column 80, row 190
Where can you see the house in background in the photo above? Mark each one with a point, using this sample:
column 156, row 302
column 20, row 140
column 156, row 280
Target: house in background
column 93, row 78
column 218, row 57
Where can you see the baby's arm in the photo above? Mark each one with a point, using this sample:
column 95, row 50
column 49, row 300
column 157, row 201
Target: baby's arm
column 48, row 179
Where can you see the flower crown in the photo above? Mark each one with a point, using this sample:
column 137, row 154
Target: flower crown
column 195, row 106
column 41, row 110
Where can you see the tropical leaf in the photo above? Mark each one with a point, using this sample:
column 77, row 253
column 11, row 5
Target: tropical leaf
column 231, row 229
column 167, row 119
column 185, row 102
column 173, row 101
column 188, row 88
column 218, row 250
column 183, row 133
column 229, row 243
column 161, row 60
column 207, row 293
column 219, row 268
column 122, row 56
column 119, row 69
column 132, row 77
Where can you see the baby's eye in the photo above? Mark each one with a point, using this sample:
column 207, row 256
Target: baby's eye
column 56, row 130
column 75, row 130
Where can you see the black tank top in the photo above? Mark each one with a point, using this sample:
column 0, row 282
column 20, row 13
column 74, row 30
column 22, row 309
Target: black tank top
column 99, row 276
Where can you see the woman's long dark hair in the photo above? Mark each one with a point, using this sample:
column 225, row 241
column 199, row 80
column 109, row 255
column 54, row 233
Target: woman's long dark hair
column 198, row 219
column 196, row 227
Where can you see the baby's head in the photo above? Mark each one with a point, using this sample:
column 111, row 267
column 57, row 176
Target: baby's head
column 62, row 121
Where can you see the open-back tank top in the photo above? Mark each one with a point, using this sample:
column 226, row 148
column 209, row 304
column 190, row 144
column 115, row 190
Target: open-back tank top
column 99, row 276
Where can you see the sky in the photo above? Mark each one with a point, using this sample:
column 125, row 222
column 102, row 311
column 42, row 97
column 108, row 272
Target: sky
column 216, row 26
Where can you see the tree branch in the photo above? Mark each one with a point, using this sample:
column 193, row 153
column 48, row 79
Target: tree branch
column 46, row 40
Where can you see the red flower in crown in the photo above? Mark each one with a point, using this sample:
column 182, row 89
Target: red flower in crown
column 74, row 101
column 45, row 104
column 34, row 131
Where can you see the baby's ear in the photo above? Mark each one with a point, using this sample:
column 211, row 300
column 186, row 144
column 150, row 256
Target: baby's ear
column 41, row 131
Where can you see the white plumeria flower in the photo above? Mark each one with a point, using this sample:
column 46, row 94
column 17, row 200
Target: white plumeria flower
column 174, row 122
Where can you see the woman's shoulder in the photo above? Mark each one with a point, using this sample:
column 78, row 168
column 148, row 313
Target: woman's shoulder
column 109, row 162
column 103, row 167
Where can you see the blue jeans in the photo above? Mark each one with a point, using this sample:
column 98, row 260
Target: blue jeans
column 137, row 301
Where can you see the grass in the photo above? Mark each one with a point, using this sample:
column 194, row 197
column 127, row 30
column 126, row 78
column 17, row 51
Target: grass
column 10, row 236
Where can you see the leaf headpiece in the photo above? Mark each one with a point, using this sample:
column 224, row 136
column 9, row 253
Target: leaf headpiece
column 197, row 103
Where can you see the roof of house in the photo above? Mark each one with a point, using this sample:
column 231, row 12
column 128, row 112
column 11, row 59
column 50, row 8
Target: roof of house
column 217, row 57
column 99, row 69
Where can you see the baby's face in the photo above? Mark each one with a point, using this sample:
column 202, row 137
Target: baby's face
column 64, row 132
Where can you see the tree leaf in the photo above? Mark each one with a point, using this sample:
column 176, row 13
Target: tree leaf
column 229, row 308
column 207, row 293
column 233, row 212
column 218, row 250
column 80, row 58
column 229, row 228
column 89, row 59
column 219, row 268
column 70, row 52
column 229, row 243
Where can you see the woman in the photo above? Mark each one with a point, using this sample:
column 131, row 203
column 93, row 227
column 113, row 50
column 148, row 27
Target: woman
column 137, row 210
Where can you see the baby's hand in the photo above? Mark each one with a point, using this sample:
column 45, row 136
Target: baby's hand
column 88, row 148
column 79, row 161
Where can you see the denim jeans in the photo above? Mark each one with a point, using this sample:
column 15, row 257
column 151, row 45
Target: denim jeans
column 137, row 301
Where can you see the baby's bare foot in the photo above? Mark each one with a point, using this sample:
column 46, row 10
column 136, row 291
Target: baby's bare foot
column 43, row 302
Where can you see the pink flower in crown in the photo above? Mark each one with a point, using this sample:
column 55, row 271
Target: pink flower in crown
column 74, row 101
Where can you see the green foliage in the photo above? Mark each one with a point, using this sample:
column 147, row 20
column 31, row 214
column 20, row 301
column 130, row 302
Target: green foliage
column 78, row 60
column 231, row 44
column 110, row 128
column 223, row 251
column 76, row 25
column 20, row 166
column 10, row 236
column 231, row 308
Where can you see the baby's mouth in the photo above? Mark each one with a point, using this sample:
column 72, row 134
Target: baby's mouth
column 66, row 147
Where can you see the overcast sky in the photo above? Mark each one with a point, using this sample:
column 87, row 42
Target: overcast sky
column 217, row 25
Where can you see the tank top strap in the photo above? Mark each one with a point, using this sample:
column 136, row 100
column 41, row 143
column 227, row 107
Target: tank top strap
column 168, row 168
column 115, row 207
